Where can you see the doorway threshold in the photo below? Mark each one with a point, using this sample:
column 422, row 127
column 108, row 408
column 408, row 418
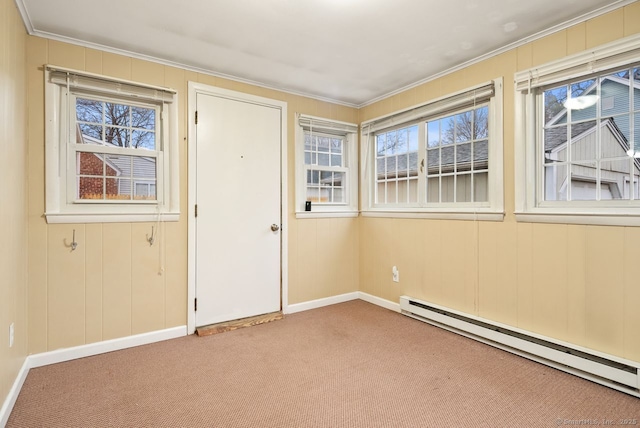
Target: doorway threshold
column 208, row 330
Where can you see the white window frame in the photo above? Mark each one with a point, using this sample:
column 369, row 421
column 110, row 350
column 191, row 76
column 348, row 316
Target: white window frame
column 62, row 86
column 530, row 204
column 488, row 93
column 349, row 132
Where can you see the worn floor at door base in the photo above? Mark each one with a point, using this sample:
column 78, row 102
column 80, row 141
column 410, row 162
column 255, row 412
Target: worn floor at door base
column 236, row 324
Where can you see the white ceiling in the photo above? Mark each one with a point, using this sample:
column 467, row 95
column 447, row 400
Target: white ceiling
column 349, row 51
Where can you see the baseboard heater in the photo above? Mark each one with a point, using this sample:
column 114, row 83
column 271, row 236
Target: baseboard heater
column 608, row 370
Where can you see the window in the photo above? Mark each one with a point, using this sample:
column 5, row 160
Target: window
column 578, row 155
column 326, row 168
column 110, row 149
column 441, row 159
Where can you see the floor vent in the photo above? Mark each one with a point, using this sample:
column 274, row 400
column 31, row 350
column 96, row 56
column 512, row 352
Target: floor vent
column 608, row 370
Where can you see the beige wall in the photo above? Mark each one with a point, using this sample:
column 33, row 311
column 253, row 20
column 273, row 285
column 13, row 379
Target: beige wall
column 109, row 287
column 574, row 283
column 13, row 196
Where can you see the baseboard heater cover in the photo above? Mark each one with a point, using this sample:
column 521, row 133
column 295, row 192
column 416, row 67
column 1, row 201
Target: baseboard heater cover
column 608, row 370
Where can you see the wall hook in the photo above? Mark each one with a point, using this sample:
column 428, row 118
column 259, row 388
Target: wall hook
column 74, row 244
column 151, row 239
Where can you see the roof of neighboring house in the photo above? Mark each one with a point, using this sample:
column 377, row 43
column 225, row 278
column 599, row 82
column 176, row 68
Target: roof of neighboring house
column 557, row 137
column 404, row 164
column 554, row 137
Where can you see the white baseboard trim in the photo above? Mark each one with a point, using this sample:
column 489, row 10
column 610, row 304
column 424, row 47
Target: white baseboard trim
column 9, row 402
column 314, row 304
column 67, row 354
column 379, row 301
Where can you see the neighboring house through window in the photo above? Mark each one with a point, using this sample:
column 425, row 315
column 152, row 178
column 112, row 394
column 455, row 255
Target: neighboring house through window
column 326, row 167
column 577, row 132
column 441, row 159
column 111, row 149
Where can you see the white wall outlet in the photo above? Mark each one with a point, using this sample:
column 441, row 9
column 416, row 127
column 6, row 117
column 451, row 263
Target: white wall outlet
column 11, row 335
column 395, row 274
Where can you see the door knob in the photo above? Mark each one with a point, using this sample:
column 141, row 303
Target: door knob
column 275, row 227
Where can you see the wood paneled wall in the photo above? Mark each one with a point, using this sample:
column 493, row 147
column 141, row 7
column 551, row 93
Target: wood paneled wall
column 13, row 195
column 571, row 282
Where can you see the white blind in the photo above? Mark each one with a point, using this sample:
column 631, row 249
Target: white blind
column 617, row 54
column 87, row 81
column 316, row 124
column 454, row 102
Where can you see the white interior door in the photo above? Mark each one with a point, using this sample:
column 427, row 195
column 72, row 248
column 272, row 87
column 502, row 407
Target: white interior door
column 238, row 197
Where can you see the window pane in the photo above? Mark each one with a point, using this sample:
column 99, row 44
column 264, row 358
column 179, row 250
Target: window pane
column 481, row 187
column 433, row 189
column 635, row 144
column 636, row 94
column 90, row 188
column 447, row 126
column 555, row 182
column 323, row 144
column 463, row 188
column 381, row 144
column 413, row 191
column 336, row 145
column 117, row 114
column 615, row 177
column 447, row 159
column 554, row 104
column 145, row 191
column 433, row 161
column 307, row 158
column 433, row 133
column 447, row 188
column 584, row 140
column 144, row 168
column 336, row 160
column 118, row 137
column 413, row 138
column 555, row 144
column 463, row 157
column 583, row 100
column 90, row 164
column 403, row 188
column 323, row 159
column 143, row 140
column 583, row 182
column 464, row 126
column 144, row 118
column 481, row 123
column 89, row 110
column 93, row 132
column 614, row 91
column 118, row 189
column 480, row 155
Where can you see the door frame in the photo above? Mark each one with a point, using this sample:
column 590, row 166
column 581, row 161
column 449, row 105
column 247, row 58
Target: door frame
column 196, row 88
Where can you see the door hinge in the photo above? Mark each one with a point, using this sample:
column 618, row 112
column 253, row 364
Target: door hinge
column 196, row 117
column 195, row 304
column 196, row 210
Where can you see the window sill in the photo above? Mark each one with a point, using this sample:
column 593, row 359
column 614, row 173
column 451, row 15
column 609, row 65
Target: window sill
column 580, row 218
column 326, row 214
column 109, row 218
column 437, row 215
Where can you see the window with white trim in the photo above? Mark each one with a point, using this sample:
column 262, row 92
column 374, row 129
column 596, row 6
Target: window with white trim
column 443, row 158
column 111, row 149
column 577, row 133
column 326, row 167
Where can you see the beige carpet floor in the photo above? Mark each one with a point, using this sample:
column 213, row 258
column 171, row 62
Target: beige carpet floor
column 346, row 365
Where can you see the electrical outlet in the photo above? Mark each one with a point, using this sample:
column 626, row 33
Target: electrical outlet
column 395, row 274
column 11, row 335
